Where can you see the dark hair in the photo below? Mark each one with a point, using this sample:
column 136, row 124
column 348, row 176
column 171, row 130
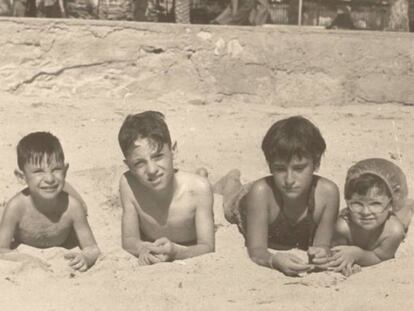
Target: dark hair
column 148, row 124
column 365, row 182
column 35, row 146
column 294, row 136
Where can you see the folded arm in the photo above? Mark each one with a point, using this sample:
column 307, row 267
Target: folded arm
column 87, row 242
column 204, row 222
column 257, row 234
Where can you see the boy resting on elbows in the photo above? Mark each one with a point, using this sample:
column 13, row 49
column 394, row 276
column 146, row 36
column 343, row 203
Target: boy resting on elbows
column 43, row 214
column 167, row 213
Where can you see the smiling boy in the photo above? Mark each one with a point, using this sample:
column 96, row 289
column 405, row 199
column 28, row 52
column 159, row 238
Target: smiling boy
column 43, row 214
column 167, row 213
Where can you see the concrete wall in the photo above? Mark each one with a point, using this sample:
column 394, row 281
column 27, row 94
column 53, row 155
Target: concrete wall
column 283, row 65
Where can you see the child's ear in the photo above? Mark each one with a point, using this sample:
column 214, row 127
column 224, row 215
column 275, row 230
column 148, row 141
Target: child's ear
column 316, row 166
column 174, row 148
column 20, row 176
column 66, row 168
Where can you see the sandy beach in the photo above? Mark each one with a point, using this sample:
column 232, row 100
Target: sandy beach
column 218, row 136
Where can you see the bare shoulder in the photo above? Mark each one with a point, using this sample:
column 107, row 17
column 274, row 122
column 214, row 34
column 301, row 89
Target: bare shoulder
column 126, row 184
column 18, row 203
column 326, row 188
column 193, row 182
column 394, row 228
column 75, row 206
column 124, row 181
column 342, row 228
column 260, row 190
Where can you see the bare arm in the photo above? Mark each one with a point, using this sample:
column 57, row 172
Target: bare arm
column 131, row 237
column 204, row 222
column 68, row 188
column 345, row 256
column 84, row 233
column 341, row 233
column 257, row 234
column 385, row 251
column 257, row 224
column 325, row 228
column 8, row 226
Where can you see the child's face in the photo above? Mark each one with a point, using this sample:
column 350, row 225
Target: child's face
column 152, row 168
column 369, row 211
column 293, row 178
column 45, row 180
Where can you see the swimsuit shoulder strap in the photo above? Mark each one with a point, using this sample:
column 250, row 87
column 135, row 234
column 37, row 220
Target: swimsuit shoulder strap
column 311, row 198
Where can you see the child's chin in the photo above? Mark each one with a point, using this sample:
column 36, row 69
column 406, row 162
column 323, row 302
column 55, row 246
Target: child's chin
column 368, row 226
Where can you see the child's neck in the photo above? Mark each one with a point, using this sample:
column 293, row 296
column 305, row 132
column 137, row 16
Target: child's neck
column 298, row 204
column 164, row 197
column 45, row 206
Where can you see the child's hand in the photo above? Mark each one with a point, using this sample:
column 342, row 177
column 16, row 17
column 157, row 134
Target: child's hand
column 77, row 261
column 343, row 259
column 164, row 248
column 319, row 255
column 290, row 264
column 147, row 258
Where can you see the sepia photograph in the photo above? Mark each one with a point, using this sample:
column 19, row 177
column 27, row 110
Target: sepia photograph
column 206, row 155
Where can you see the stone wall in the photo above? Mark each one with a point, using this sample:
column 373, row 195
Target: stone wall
column 282, row 65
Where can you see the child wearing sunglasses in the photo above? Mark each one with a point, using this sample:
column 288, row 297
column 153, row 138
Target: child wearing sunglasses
column 374, row 223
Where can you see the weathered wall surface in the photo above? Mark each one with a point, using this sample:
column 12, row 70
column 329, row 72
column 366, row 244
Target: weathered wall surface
column 282, row 65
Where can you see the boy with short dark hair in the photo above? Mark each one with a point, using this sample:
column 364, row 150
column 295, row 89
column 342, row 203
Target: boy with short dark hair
column 292, row 207
column 43, row 214
column 372, row 226
column 167, row 213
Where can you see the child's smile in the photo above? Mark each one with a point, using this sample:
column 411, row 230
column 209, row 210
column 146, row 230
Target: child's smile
column 150, row 164
column 369, row 211
column 45, row 179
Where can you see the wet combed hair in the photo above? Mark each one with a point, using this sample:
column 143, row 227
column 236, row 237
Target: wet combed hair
column 34, row 147
column 148, row 124
column 294, row 136
column 365, row 182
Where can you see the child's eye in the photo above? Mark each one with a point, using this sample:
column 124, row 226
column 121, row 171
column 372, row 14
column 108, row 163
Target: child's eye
column 139, row 164
column 300, row 168
column 158, row 156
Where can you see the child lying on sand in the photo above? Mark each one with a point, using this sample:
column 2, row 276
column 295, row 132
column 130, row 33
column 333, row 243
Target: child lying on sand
column 372, row 226
column 291, row 208
column 43, row 214
column 167, row 214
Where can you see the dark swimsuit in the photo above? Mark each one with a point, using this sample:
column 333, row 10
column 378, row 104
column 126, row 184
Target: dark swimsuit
column 281, row 231
column 299, row 235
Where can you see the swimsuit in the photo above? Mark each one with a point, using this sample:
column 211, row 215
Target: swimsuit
column 281, row 231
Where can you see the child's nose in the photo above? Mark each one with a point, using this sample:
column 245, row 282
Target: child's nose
column 152, row 168
column 365, row 209
column 289, row 180
column 49, row 177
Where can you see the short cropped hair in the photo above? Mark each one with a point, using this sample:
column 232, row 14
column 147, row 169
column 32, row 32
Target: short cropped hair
column 294, row 136
column 148, row 124
column 365, row 182
column 34, row 147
